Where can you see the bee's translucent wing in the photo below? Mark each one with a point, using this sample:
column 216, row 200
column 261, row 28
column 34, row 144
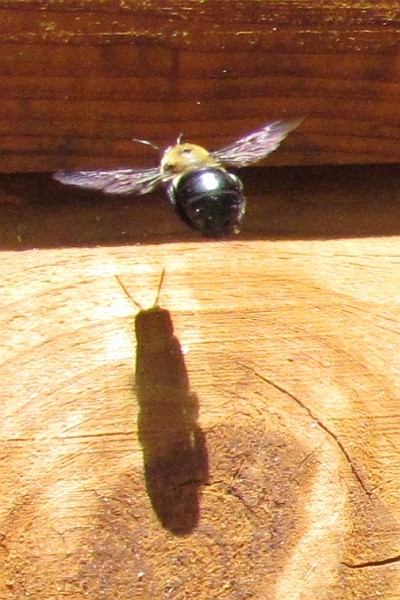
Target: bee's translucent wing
column 256, row 145
column 119, row 181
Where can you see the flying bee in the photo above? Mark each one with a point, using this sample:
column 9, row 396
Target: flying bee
column 205, row 195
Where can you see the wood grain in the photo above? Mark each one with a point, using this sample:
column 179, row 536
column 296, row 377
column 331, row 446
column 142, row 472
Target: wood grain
column 245, row 442
column 79, row 79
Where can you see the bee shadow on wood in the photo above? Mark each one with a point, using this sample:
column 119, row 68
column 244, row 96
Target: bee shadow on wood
column 174, row 446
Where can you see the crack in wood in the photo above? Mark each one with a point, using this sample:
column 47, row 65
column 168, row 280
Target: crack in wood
column 373, row 563
column 319, row 423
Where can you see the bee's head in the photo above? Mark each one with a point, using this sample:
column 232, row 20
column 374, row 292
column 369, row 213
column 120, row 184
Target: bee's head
column 185, row 157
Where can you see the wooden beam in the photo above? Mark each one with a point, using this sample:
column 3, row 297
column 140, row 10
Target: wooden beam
column 79, row 79
column 243, row 440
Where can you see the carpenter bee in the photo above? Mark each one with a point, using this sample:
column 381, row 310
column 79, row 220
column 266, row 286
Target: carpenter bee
column 205, row 195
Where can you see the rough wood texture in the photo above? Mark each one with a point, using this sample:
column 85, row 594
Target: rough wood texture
column 79, row 79
column 258, row 454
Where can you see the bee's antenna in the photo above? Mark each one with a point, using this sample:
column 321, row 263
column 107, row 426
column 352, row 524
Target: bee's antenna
column 135, row 302
column 159, row 288
column 128, row 294
column 147, row 143
column 179, row 138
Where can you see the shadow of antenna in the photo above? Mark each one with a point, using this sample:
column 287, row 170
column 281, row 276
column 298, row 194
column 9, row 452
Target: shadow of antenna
column 174, row 446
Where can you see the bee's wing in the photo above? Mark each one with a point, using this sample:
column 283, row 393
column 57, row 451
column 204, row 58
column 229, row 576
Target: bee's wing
column 256, row 145
column 119, row 181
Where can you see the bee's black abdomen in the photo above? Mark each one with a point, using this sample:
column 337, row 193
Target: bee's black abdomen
column 209, row 200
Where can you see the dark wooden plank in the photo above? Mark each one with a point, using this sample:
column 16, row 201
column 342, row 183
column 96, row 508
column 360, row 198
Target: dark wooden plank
column 79, row 79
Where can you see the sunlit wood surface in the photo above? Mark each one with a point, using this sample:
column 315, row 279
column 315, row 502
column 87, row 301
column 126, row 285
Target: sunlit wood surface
column 251, row 453
column 80, row 78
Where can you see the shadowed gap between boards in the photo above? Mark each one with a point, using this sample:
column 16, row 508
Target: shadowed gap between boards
column 324, row 202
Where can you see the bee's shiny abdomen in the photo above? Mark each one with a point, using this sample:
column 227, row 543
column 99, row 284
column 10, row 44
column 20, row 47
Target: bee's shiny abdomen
column 209, row 200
